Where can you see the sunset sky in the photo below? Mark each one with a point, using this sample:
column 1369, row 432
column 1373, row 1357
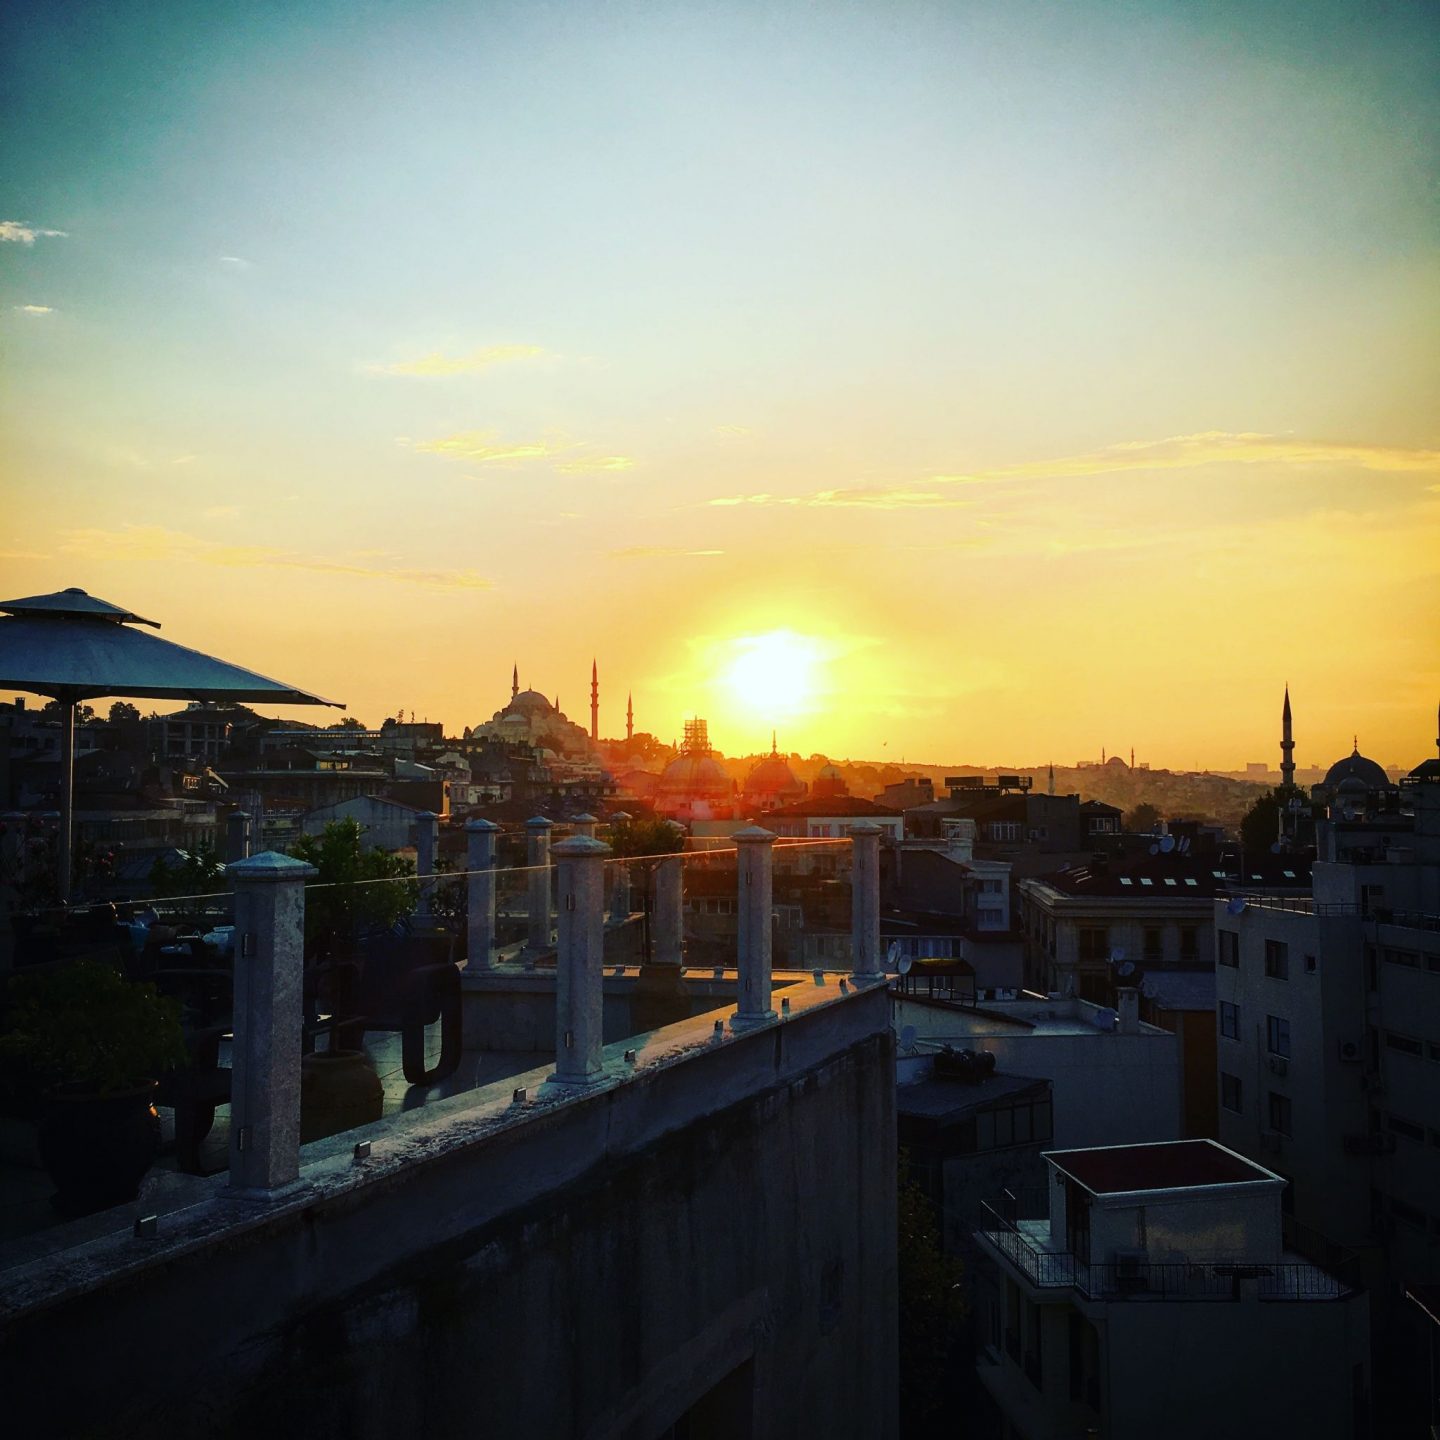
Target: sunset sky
column 953, row 382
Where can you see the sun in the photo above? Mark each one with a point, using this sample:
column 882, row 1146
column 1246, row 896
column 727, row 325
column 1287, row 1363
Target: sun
column 773, row 674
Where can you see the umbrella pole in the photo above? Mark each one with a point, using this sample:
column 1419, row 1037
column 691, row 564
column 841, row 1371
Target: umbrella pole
column 64, row 862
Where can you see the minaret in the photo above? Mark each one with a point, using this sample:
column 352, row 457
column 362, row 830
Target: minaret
column 1287, row 747
column 773, row 748
column 594, row 702
column 630, row 715
column 1052, row 777
column 514, row 682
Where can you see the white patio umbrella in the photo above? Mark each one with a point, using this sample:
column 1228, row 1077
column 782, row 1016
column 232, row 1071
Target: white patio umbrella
column 73, row 647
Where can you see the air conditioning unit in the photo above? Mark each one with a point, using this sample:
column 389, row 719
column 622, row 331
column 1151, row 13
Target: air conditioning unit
column 1351, row 1052
column 1279, row 1066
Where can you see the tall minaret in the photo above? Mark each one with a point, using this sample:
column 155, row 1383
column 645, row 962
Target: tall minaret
column 514, row 682
column 1052, row 777
column 1287, row 746
column 594, row 702
column 630, row 715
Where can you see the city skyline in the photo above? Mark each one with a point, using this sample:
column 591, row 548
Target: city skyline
column 437, row 341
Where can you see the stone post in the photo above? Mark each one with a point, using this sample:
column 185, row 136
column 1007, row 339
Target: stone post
column 269, row 967
column 480, row 837
column 754, row 936
column 867, row 963
column 427, row 845
column 537, row 858
column 669, row 944
column 237, row 835
column 579, row 963
column 585, row 826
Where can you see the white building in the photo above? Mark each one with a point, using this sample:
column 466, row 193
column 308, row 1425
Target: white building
column 384, row 824
column 1115, row 1079
column 1146, row 1292
column 1329, row 1042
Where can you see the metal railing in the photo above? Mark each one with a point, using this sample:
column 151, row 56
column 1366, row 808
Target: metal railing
column 1139, row 1279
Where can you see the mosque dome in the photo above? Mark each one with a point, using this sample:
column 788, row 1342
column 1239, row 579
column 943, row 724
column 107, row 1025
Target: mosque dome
column 529, row 702
column 1356, row 766
column 829, row 781
column 773, row 778
column 695, row 775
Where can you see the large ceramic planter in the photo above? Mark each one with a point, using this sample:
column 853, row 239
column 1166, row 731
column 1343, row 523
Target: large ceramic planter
column 97, row 1148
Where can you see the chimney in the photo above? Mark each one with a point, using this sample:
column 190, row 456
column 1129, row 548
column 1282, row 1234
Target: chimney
column 1127, row 1002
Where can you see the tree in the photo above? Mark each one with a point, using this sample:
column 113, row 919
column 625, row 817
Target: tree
column 200, row 872
column 1142, row 819
column 932, row 1308
column 1260, row 827
column 348, row 723
column 342, row 907
column 53, row 710
column 122, row 710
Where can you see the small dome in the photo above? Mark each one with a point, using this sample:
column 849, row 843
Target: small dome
column 1356, row 766
column 696, row 775
column 1352, row 785
column 829, row 781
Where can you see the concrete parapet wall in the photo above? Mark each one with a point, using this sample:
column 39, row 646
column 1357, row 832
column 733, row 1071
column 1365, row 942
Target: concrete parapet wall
column 588, row 1265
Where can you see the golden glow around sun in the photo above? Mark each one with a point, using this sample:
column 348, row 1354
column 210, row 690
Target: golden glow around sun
column 773, row 674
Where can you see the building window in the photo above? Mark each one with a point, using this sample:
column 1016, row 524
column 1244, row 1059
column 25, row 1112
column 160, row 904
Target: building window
column 1277, row 959
column 1189, row 941
column 1405, row 1044
column 1309, row 964
column 1230, row 1092
column 1094, row 943
column 1229, row 1020
column 1277, row 1035
column 1408, row 958
column 1280, row 1113
column 1229, row 951
column 1154, row 947
column 1407, row 1128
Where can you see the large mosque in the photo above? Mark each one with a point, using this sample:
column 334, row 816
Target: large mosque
column 532, row 719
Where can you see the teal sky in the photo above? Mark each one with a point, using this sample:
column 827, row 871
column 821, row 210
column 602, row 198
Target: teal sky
column 540, row 331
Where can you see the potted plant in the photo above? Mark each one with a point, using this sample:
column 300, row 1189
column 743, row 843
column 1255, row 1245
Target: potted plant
column 89, row 1045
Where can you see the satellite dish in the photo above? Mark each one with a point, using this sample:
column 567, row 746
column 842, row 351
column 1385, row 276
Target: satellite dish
column 1276, row 848
column 892, row 955
column 1236, row 906
column 907, row 1038
column 1155, row 849
column 1185, row 845
column 1117, row 954
column 1167, row 844
column 1128, row 968
column 904, row 965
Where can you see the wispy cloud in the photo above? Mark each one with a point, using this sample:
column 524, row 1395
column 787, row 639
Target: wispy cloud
column 596, row 464
column 482, row 447
column 220, row 512
column 153, row 543
column 21, row 232
column 860, row 497
column 22, row 555
column 235, row 262
column 35, row 309
column 661, row 552
column 1177, row 452
column 1210, row 447
column 733, row 432
column 436, row 365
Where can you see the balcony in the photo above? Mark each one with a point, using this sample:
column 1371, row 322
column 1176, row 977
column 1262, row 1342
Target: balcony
column 1025, row 1244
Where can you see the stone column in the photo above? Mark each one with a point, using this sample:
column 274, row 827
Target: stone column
column 427, row 845
column 537, row 858
column 480, row 837
column 754, row 936
column 867, row 963
column 579, row 963
column 269, row 966
column 585, row 826
column 237, row 835
column 669, row 944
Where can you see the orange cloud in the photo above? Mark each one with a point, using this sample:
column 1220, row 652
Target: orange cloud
column 438, row 366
